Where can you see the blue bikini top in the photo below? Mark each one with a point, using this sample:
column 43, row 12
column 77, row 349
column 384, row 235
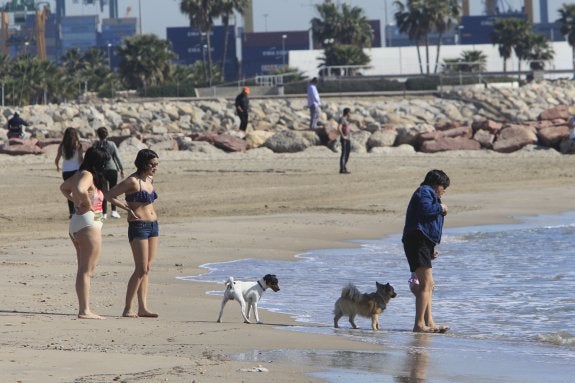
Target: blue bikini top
column 142, row 195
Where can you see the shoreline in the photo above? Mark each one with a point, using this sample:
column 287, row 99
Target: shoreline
column 268, row 208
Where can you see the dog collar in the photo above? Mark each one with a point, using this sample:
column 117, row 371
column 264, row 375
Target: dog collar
column 259, row 283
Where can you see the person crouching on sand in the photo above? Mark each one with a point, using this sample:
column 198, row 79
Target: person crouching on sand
column 422, row 232
column 84, row 189
column 143, row 228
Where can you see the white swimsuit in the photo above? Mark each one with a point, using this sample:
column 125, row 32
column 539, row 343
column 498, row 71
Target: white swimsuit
column 90, row 218
column 80, row 221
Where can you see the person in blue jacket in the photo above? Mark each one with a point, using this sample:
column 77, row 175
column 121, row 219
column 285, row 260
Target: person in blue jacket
column 421, row 233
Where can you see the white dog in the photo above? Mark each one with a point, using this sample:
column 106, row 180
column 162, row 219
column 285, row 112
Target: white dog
column 248, row 294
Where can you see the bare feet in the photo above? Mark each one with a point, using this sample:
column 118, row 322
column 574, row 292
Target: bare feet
column 128, row 314
column 431, row 330
column 147, row 314
column 90, row 315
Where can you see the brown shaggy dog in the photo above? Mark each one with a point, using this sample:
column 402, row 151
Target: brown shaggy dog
column 352, row 302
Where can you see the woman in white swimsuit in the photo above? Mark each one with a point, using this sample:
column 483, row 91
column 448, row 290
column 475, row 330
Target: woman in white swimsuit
column 84, row 190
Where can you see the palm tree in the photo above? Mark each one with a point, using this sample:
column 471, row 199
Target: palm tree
column 444, row 15
column 411, row 21
column 226, row 9
column 418, row 18
column 325, row 26
column 350, row 26
column 201, row 14
column 505, row 35
column 524, row 41
column 354, row 28
column 145, row 60
column 541, row 51
column 348, row 32
column 567, row 26
column 469, row 61
column 344, row 54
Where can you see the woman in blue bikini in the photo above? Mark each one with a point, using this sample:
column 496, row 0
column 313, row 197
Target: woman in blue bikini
column 143, row 229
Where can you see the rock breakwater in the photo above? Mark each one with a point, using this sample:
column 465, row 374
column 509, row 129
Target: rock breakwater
column 499, row 119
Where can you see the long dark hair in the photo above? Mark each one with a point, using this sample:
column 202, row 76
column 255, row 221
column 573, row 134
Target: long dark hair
column 95, row 161
column 143, row 159
column 70, row 142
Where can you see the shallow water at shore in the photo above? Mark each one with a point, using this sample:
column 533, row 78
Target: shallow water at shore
column 506, row 291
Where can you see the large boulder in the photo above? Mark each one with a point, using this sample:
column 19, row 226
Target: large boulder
column 514, row 137
column 287, row 141
column 230, row 143
column 552, row 135
column 561, row 111
column 409, row 134
column 488, row 125
column 567, row 146
column 485, row 138
column 381, row 138
column 359, row 141
column 449, row 143
column 17, row 149
column 257, row 138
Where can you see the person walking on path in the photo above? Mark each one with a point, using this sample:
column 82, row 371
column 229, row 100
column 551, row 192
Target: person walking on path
column 313, row 103
column 242, row 105
column 15, row 126
column 421, row 234
column 113, row 165
column 84, row 189
column 143, row 228
column 71, row 152
column 345, row 139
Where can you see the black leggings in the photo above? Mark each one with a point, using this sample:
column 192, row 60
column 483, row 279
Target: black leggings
column 112, row 178
column 345, row 149
column 65, row 176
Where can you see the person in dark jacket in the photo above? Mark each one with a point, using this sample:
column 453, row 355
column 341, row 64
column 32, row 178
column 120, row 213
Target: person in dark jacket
column 15, row 124
column 421, row 233
column 243, row 107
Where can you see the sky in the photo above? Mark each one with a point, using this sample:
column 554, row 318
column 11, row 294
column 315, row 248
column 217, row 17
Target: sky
column 270, row 15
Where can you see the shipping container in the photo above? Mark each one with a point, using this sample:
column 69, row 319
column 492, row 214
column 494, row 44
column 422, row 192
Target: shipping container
column 120, row 21
column 477, row 29
column 190, row 46
column 264, row 53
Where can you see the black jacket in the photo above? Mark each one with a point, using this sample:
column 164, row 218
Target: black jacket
column 242, row 103
column 15, row 124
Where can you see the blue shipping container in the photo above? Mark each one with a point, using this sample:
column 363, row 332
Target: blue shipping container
column 190, row 46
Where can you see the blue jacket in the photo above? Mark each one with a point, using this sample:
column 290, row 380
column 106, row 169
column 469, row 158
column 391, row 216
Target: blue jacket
column 425, row 214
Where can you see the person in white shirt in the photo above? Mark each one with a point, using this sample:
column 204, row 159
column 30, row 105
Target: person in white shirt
column 313, row 103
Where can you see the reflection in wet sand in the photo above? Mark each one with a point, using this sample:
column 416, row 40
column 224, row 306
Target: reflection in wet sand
column 416, row 360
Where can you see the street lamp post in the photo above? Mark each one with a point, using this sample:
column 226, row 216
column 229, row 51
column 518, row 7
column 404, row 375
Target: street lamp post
column 140, row 15
column 284, row 37
column 26, row 47
column 109, row 55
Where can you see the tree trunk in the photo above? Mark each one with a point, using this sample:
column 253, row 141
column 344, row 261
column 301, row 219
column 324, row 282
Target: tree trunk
column 226, row 24
column 209, row 40
column 427, row 54
column 438, row 51
column 419, row 58
column 504, row 65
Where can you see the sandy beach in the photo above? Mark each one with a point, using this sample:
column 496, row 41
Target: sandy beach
column 215, row 209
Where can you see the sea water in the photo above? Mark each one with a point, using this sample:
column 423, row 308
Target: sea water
column 507, row 293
